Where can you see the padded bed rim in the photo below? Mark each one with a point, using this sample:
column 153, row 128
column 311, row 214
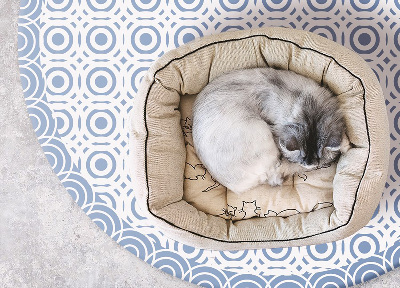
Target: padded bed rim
column 239, row 39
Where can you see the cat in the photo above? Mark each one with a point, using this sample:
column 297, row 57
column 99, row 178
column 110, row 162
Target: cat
column 260, row 125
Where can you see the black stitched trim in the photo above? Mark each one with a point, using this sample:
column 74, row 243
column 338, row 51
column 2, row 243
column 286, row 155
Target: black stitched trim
column 270, row 240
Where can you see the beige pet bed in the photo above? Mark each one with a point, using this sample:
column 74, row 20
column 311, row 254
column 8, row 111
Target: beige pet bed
column 181, row 198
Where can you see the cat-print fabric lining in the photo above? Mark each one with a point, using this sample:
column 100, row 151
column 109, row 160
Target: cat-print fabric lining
column 301, row 193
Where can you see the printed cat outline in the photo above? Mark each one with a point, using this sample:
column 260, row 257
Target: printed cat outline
column 319, row 205
column 202, row 175
column 304, row 176
column 186, row 130
column 228, row 213
column 287, row 213
column 244, row 208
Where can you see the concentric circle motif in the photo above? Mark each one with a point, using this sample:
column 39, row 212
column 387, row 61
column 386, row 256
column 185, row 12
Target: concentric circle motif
column 59, row 81
column 189, row 5
column 101, row 39
column 364, row 245
column 101, row 81
column 364, row 39
column 277, row 5
column 321, row 5
column 145, row 39
column 364, row 5
column 27, row 38
column 58, row 39
column 64, row 121
column 32, row 82
column 57, row 5
column 233, row 5
column 325, row 31
column 397, row 83
column 206, row 276
column 276, row 254
column 81, row 64
column 101, row 123
column 100, row 164
column 145, row 5
column 137, row 76
column 185, row 34
column 101, row 5
column 322, row 252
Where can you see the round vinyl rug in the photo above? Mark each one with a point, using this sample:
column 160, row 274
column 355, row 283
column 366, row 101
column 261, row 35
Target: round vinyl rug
column 81, row 62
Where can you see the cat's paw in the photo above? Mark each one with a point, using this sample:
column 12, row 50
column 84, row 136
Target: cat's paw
column 278, row 164
column 276, row 179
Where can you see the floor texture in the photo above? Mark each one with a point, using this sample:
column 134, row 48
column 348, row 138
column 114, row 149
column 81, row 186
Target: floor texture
column 39, row 247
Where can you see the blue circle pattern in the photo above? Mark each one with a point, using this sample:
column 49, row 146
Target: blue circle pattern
column 100, row 164
column 147, row 43
column 325, row 31
column 226, row 5
column 101, row 123
column 184, row 8
column 52, row 43
column 186, row 32
column 276, row 5
column 364, row 39
column 97, row 8
column 78, row 109
column 59, row 80
column 54, row 5
column 101, row 39
column 64, row 124
column 358, row 5
column 138, row 5
column 96, row 83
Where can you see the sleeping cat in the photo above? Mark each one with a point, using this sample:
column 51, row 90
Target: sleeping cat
column 246, row 120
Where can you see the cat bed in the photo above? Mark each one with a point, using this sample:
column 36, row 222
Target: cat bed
column 187, row 204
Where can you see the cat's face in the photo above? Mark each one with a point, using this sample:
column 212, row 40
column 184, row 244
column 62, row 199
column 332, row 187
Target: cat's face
column 309, row 147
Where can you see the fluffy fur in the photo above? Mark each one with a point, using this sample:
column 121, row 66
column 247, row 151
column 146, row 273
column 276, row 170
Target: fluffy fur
column 246, row 120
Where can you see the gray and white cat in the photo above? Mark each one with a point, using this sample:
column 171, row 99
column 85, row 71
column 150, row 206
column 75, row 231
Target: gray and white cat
column 246, row 120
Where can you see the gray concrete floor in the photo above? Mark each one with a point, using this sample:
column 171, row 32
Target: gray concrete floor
column 45, row 238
